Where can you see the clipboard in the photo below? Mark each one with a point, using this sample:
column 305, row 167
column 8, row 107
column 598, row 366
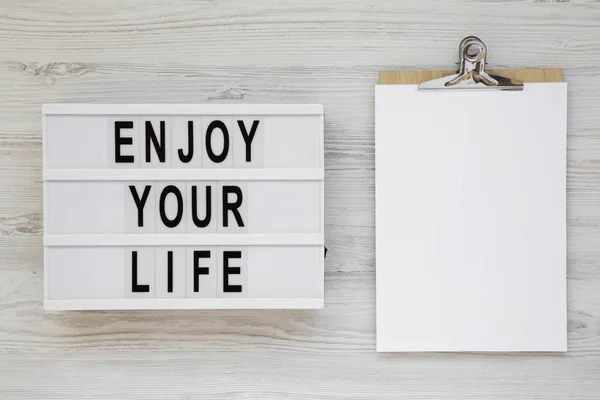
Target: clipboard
column 471, row 208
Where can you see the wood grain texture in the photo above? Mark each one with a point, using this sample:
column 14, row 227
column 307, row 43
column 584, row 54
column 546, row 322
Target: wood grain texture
column 186, row 51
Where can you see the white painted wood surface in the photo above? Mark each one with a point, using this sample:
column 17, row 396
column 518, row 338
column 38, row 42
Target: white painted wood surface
column 263, row 51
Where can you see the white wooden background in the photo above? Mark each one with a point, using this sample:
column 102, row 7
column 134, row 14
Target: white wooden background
column 313, row 51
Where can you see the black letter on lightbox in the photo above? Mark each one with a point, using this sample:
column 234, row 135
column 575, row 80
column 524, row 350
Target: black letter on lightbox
column 186, row 158
column 139, row 203
column 135, row 288
column 119, row 158
column 233, row 207
column 198, row 270
column 212, row 126
column 201, row 223
column 227, row 288
column 171, row 223
column 170, row 271
column 160, row 148
column 248, row 138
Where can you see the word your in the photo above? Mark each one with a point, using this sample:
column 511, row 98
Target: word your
column 203, row 221
column 197, row 271
column 158, row 142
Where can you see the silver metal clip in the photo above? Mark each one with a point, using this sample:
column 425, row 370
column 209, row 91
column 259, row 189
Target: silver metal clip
column 471, row 73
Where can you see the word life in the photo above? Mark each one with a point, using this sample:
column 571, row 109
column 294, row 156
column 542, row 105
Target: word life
column 198, row 270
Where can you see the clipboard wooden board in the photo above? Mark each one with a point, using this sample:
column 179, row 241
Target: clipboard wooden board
column 526, row 75
column 463, row 160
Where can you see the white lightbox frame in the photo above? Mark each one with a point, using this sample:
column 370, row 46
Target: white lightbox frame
column 290, row 174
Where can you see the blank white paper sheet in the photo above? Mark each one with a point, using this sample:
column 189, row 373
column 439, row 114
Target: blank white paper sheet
column 471, row 219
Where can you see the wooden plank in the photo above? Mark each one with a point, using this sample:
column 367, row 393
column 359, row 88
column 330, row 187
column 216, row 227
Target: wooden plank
column 527, row 75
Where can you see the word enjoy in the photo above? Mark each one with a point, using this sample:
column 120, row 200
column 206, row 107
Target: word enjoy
column 158, row 142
